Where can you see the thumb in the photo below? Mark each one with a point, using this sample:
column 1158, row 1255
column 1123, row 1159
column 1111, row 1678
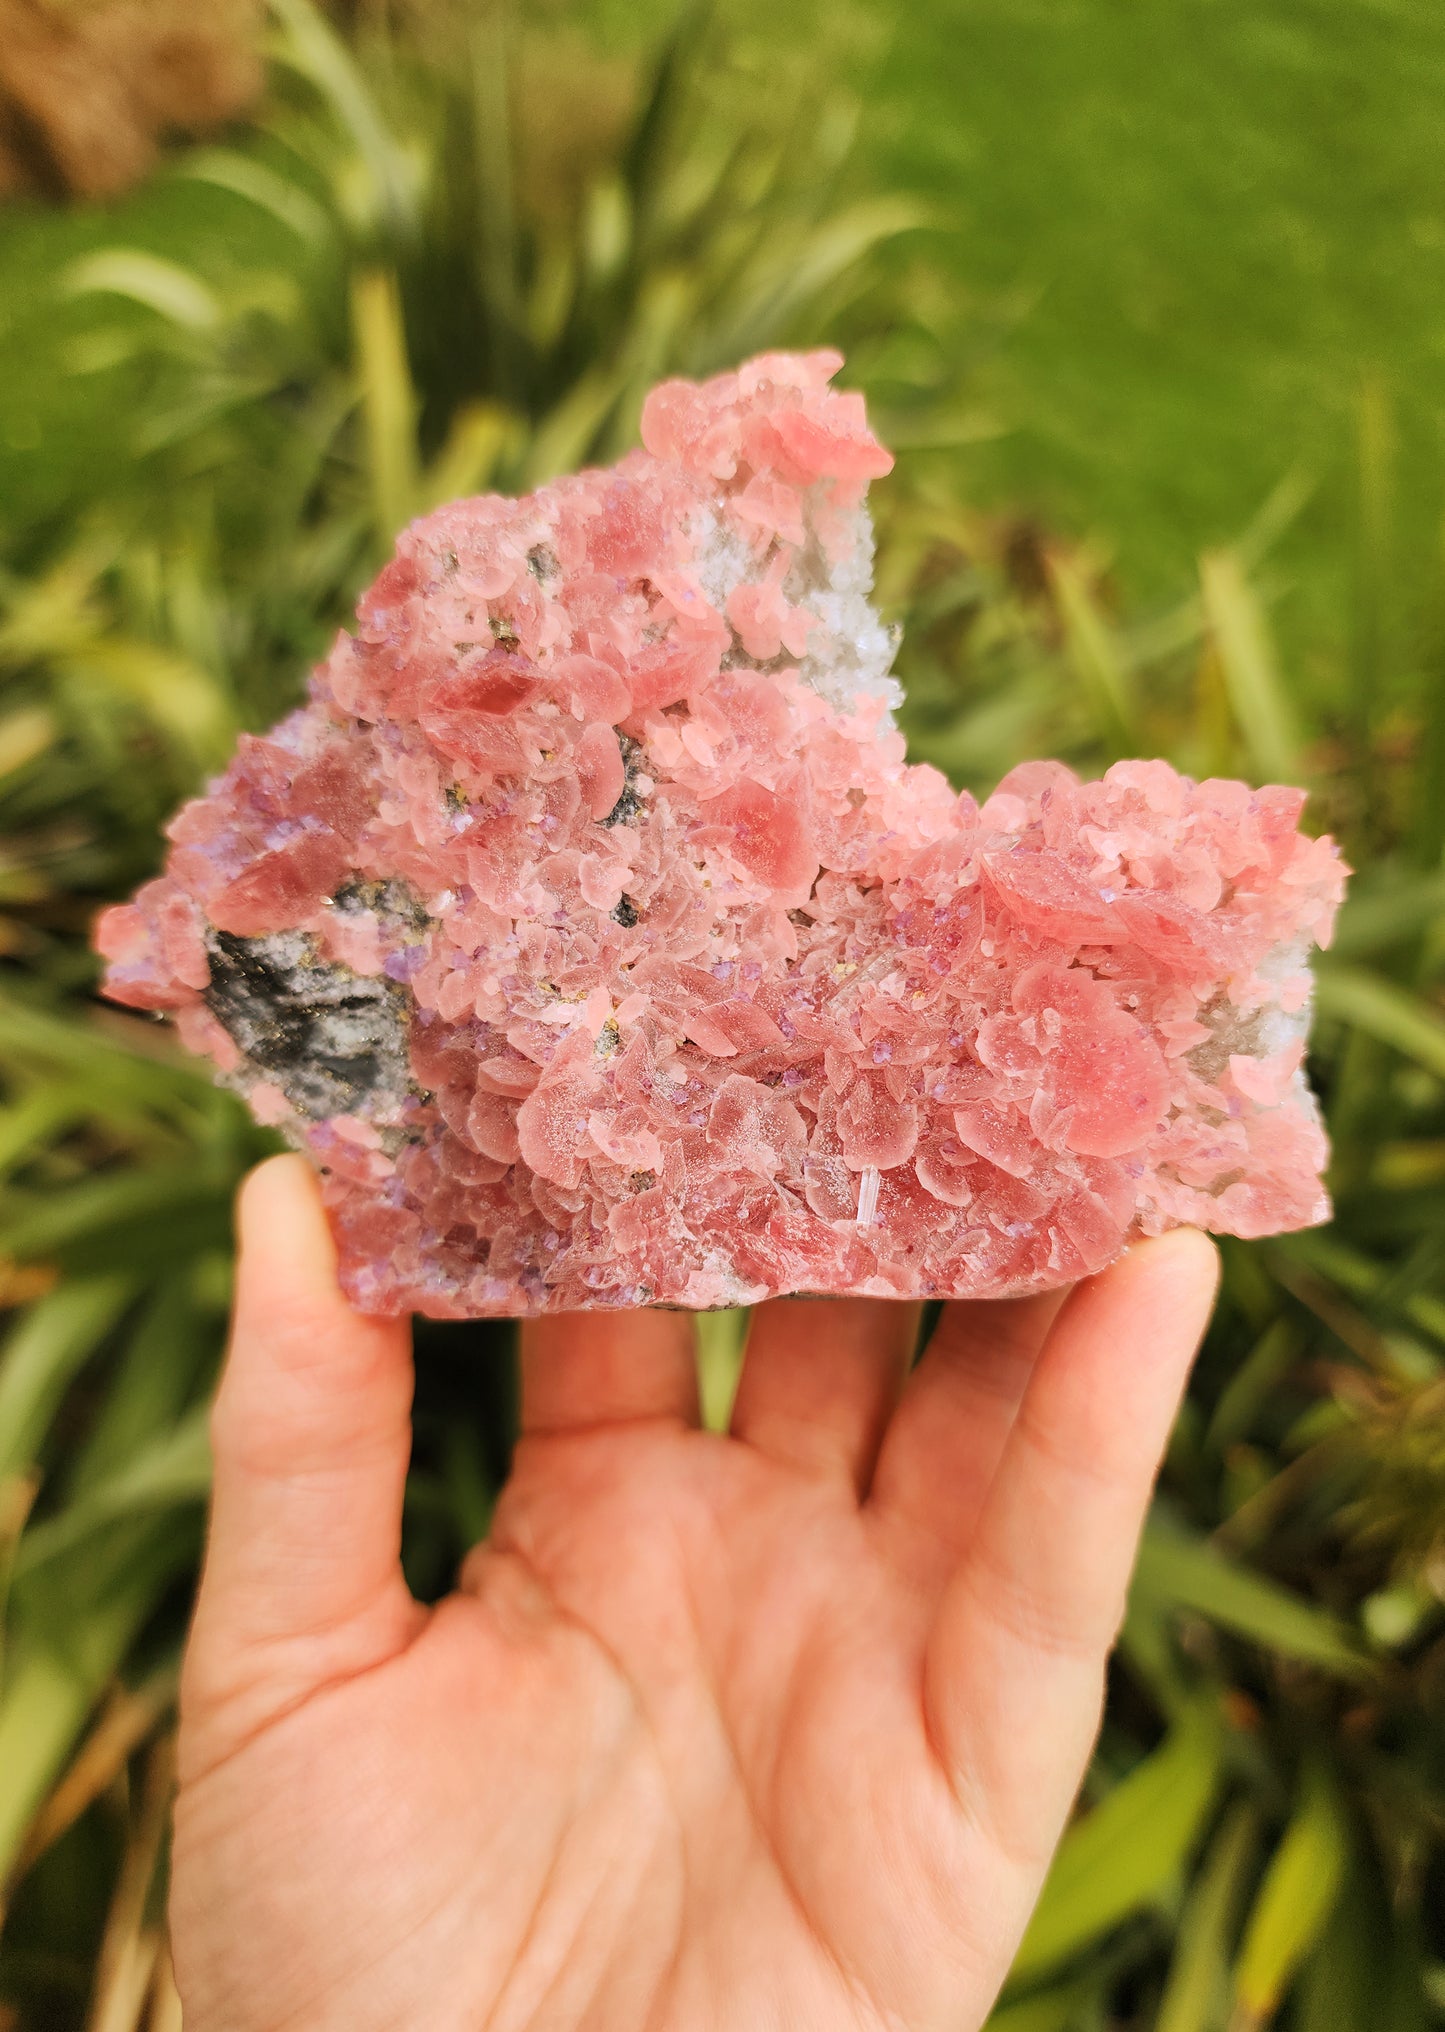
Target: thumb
column 311, row 1434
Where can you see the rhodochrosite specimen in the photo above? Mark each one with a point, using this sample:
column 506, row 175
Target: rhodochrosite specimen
column 590, row 931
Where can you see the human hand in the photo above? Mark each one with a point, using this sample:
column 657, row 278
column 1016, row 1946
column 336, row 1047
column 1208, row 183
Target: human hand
column 716, row 1735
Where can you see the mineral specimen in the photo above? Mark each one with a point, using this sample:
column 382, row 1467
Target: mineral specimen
column 589, row 929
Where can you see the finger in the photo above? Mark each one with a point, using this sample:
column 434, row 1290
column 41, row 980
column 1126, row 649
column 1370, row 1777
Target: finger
column 311, row 1434
column 581, row 1370
column 820, row 1379
column 1014, row 1670
column 948, row 1434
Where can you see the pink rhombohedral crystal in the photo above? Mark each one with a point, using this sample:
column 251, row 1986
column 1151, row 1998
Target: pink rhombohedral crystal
column 590, row 931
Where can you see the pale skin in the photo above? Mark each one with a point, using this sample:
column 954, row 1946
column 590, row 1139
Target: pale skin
column 777, row 1730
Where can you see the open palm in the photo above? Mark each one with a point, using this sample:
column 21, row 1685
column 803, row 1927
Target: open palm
column 777, row 1730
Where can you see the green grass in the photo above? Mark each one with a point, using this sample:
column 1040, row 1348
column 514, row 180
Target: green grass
column 1212, row 218
column 201, row 460
column 1187, row 233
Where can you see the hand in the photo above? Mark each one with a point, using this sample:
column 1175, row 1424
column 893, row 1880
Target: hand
column 772, row 1731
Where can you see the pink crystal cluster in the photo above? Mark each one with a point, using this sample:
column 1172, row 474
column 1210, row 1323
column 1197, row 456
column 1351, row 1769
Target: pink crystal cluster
column 589, row 929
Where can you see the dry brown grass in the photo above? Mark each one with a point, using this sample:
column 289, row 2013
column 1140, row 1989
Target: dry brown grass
column 89, row 89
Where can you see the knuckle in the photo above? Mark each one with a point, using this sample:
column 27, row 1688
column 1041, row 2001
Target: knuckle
column 1068, row 1625
column 301, row 1333
column 1081, row 1456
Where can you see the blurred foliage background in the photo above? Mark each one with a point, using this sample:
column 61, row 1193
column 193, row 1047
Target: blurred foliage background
column 1150, row 307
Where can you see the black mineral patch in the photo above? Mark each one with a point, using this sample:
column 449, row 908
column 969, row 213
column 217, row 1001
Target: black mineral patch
column 629, row 804
column 542, row 562
column 332, row 1040
column 625, row 913
column 624, row 811
column 385, row 899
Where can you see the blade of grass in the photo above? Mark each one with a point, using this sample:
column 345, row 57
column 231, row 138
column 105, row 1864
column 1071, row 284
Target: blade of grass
column 1379, row 916
column 1345, row 1981
column 1146, row 1648
column 48, row 1108
column 1188, row 1573
column 560, row 440
column 480, row 436
column 720, row 1337
column 310, row 46
column 146, row 1067
column 159, row 1212
column 1256, row 691
column 173, row 1470
column 57, row 1675
column 1127, row 1850
column 180, row 698
column 1294, row 1902
column 173, row 292
column 132, row 1940
column 1427, row 814
column 490, row 49
column 769, row 299
column 167, row 1351
column 17, row 1495
column 165, row 2015
column 279, row 196
column 1276, row 1351
column 43, row 1353
column 1366, row 1279
column 388, row 399
column 1055, row 2011
column 1196, row 1991
column 469, row 1489
column 1279, row 511
column 53, row 610
column 26, row 735
column 1384, row 1011
column 1373, row 606
column 646, row 157
column 128, row 1719
column 1093, row 656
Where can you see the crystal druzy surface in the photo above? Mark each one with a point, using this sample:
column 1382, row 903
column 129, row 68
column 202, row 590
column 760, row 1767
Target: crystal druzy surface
column 589, row 929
